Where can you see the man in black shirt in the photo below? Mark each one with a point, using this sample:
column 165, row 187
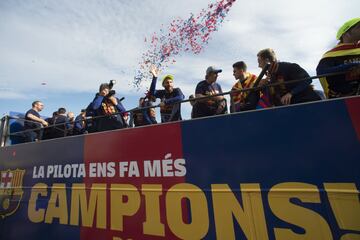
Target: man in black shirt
column 283, row 72
column 62, row 124
column 48, row 132
column 33, row 121
column 213, row 105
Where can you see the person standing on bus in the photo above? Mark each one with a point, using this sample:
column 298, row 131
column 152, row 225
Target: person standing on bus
column 283, row 72
column 213, row 105
column 170, row 110
column 62, row 124
column 343, row 57
column 143, row 117
column 107, row 110
column 34, row 121
column 240, row 101
column 80, row 123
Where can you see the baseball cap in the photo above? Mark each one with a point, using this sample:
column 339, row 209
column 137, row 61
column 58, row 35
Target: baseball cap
column 213, row 69
column 169, row 76
column 346, row 26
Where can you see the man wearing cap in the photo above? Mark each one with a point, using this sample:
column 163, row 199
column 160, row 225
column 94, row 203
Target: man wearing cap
column 282, row 73
column 213, row 105
column 345, row 57
column 170, row 109
column 107, row 109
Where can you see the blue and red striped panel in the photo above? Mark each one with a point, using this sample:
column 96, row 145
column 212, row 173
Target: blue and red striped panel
column 311, row 143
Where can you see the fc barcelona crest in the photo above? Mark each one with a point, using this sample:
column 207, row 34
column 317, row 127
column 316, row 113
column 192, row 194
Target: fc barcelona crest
column 11, row 191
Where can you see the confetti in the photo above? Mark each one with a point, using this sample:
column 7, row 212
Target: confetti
column 190, row 35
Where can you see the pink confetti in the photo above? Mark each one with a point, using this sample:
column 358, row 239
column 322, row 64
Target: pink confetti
column 190, row 35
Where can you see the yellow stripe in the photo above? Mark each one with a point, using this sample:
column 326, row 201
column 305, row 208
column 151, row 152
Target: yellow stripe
column 13, row 180
column 325, row 86
column 342, row 53
column 20, row 178
column 17, row 176
column 17, row 179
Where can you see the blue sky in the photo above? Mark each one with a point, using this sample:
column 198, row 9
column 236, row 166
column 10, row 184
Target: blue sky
column 75, row 45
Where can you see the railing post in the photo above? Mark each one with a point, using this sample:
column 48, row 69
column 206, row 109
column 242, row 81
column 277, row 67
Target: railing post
column 65, row 130
column 131, row 119
column 4, row 130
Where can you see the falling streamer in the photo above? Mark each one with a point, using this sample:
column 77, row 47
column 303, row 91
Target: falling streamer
column 190, row 35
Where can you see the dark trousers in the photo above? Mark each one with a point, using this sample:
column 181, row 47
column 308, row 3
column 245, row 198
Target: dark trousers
column 33, row 136
column 307, row 95
column 109, row 123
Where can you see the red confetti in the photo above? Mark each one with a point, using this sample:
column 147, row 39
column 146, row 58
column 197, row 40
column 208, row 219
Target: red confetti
column 189, row 35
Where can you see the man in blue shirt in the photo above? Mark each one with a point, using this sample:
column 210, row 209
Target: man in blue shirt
column 209, row 106
column 107, row 109
column 170, row 110
column 80, row 123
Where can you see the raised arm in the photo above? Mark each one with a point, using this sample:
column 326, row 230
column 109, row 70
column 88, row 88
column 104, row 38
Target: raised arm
column 96, row 103
column 154, row 72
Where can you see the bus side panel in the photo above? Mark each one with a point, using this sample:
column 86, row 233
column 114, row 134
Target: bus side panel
column 134, row 147
column 28, row 157
column 310, row 144
column 274, row 174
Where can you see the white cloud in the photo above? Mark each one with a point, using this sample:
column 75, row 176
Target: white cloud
column 11, row 94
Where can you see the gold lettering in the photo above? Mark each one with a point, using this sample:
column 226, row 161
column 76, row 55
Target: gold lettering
column 119, row 208
column 57, row 206
column 152, row 224
column 199, row 225
column 79, row 202
column 350, row 236
column 37, row 215
column 344, row 201
column 314, row 224
column 250, row 217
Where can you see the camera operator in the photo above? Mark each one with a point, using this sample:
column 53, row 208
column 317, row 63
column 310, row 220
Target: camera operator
column 107, row 109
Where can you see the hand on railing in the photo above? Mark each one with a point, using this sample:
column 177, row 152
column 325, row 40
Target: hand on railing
column 261, row 84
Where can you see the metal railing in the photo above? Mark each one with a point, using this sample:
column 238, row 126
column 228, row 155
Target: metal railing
column 4, row 131
column 4, row 126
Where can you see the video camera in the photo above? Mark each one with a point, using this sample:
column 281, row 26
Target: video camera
column 112, row 92
column 111, row 85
